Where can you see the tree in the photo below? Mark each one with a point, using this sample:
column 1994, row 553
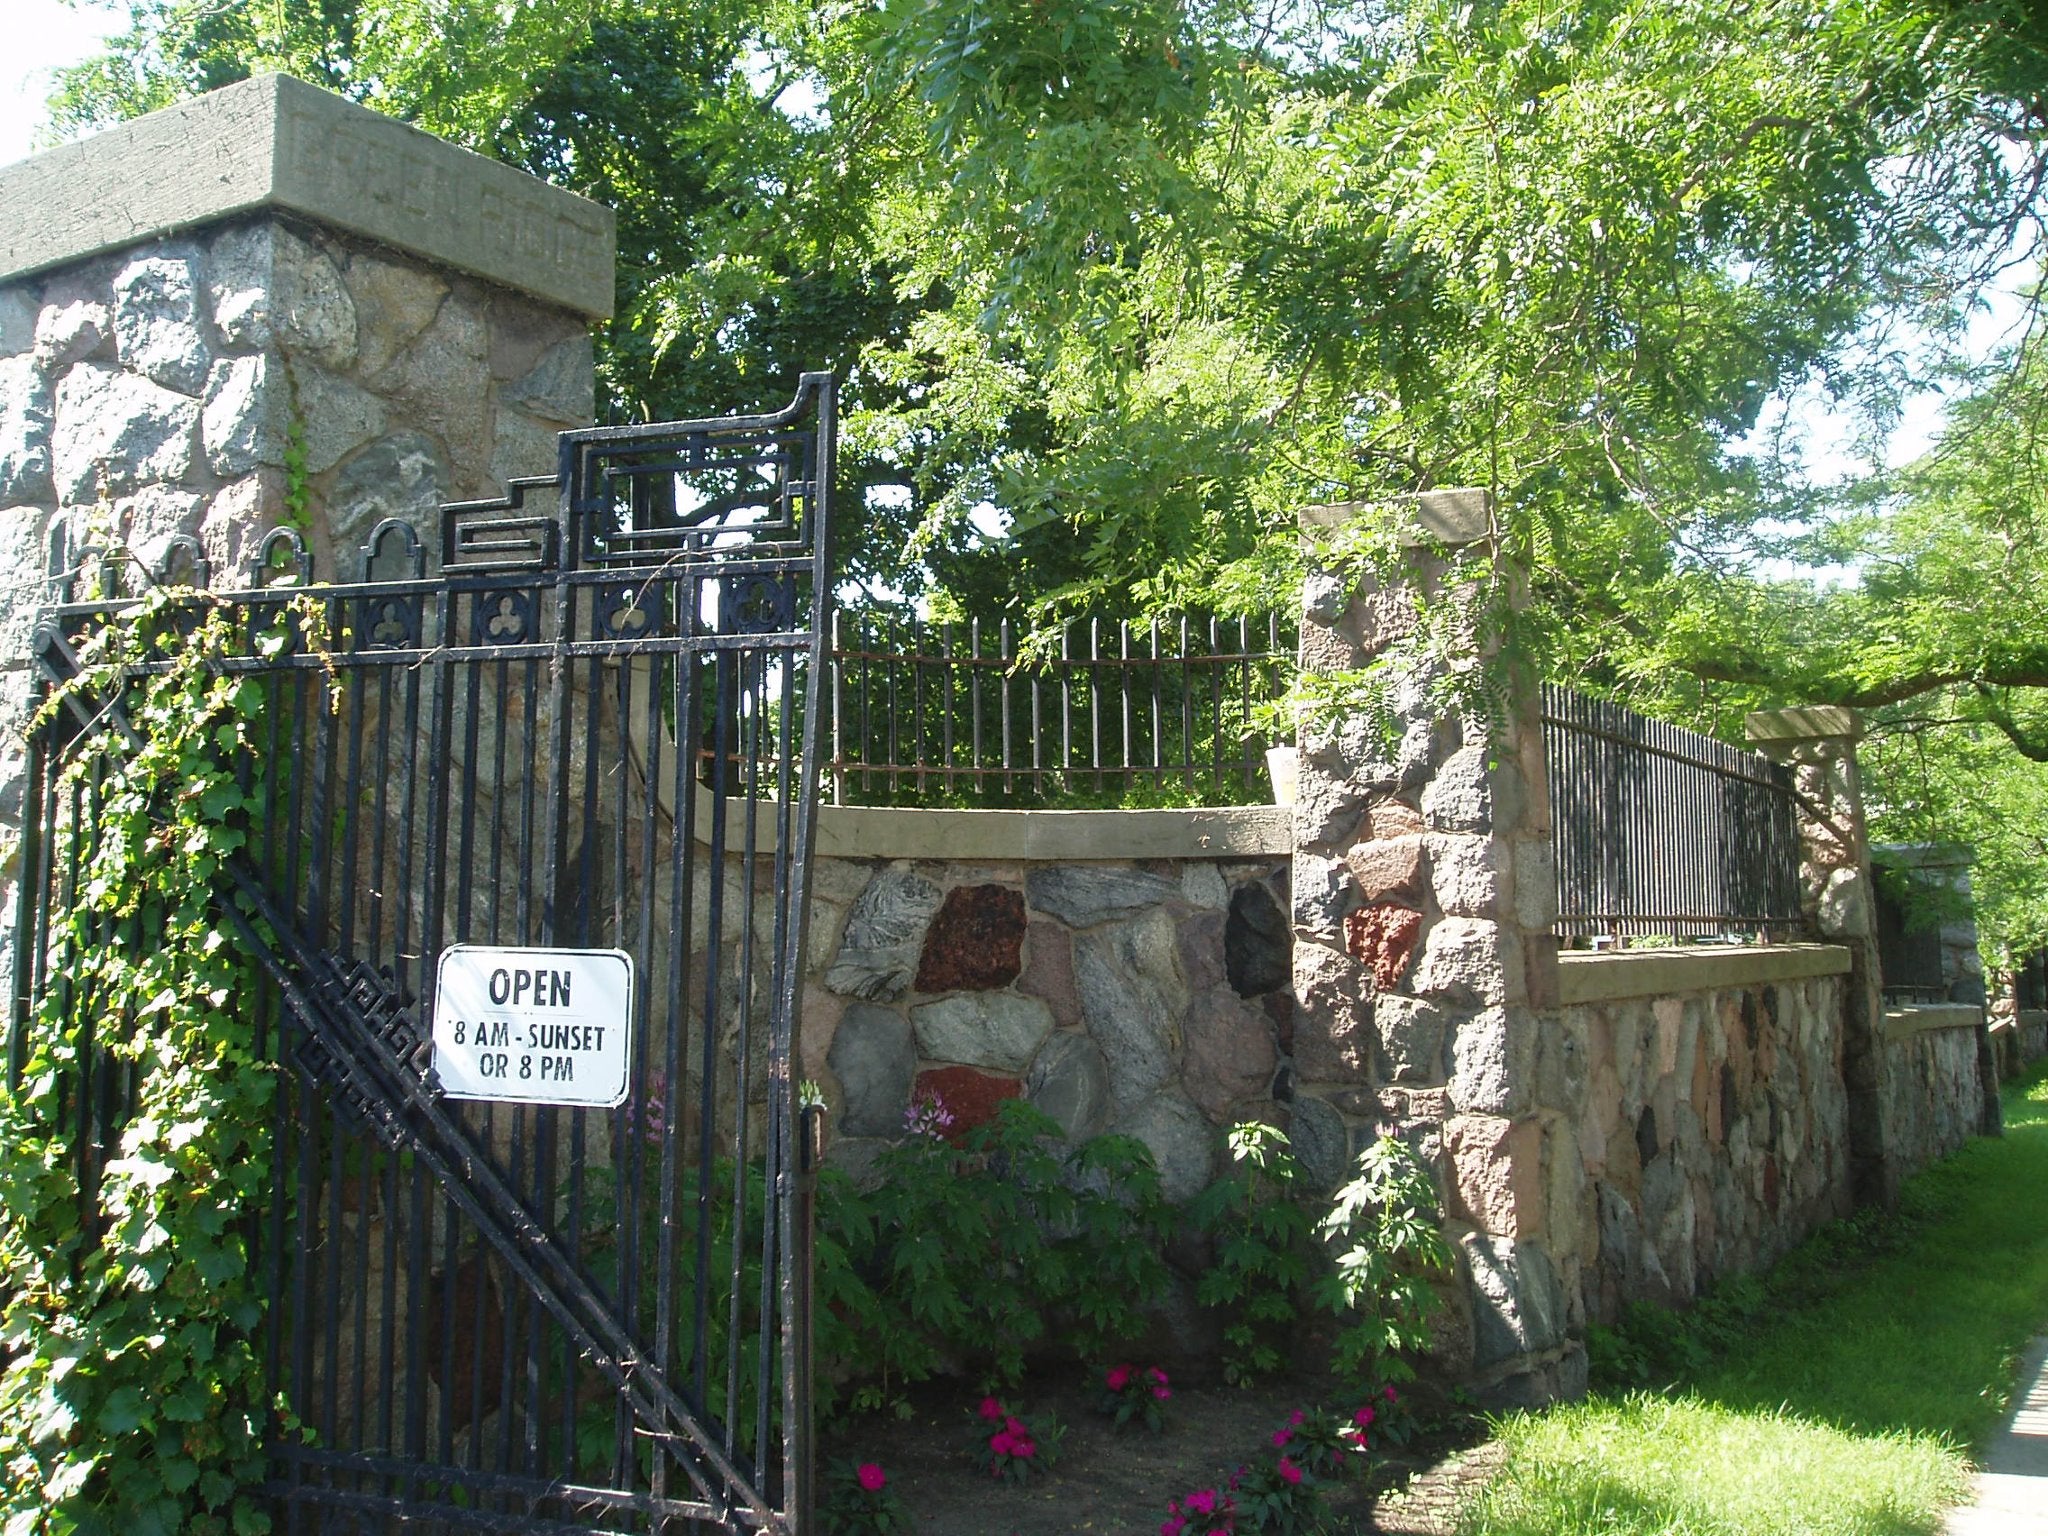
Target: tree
column 1138, row 278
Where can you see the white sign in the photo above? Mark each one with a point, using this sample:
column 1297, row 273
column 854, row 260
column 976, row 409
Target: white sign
column 534, row 1026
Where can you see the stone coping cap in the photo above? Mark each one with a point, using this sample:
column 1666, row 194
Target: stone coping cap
column 861, row 831
column 1902, row 1023
column 898, row 832
column 1941, row 857
column 1815, row 722
column 275, row 142
column 1613, row 975
column 1462, row 516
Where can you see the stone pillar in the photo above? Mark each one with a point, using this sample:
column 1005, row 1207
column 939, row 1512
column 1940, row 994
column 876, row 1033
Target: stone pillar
column 1838, row 899
column 1425, row 964
column 270, row 306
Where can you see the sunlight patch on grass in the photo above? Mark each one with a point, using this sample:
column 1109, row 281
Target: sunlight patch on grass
column 1683, row 1467
column 1848, row 1414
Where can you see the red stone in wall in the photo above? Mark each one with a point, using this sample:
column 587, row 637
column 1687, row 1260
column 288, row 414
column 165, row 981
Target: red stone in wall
column 1383, row 938
column 971, row 1098
column 975, row 943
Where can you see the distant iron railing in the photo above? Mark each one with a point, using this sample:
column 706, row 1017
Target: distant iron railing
column 1163, row 712
column 1659, row 829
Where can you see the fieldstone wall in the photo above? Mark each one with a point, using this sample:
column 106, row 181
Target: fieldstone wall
column 1149, row 998
column 1838, row 901
column 1707, row 1133
column 1935, row 1082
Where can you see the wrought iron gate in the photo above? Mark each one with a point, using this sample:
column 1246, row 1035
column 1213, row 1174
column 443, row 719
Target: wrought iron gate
column 586, row 725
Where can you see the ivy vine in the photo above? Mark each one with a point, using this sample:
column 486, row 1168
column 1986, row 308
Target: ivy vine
column 132, row 1393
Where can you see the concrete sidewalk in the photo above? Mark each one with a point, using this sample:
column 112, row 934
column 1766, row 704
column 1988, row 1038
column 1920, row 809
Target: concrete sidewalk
column 2012, row 1490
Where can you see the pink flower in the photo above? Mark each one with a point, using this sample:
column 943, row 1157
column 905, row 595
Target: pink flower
column 870, row 1475
column 1016, row 1426
column 1364, row 1416
column 1002, row 1442
column 1289, row 1472
column 1024, row 1448
column 1118, row 1378
column 1157, row 1375
column 1391, row 1395
column 1204, row 1502
column 1161, row 1393
column 991, row 1409
column 1174, row 1526
column 1294, row 1419
column 1281, row 1437
column 1357, row 1438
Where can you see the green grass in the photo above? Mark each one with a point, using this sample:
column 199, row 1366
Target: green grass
column 1848, row 1407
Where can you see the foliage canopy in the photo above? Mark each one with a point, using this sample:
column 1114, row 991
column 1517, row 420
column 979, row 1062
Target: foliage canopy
column 1115, row 286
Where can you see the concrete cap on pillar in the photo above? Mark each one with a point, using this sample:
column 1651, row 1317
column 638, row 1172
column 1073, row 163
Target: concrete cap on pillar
column 278, row 143
column 1463, row 516
column 1815, row 722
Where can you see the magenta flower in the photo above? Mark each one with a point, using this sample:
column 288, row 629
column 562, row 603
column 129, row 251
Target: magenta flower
column 1281, row 1437
column 1002, row 1442
column 1391, row 1395
column 1294, row 1419
column 991, row 1409
column 870, row 1475
column 1161, row 1393
column 1173, row 1526
column 1203, row 1502
column 1118, row 1378
column 1023, row 1447
column 1364, row 1416
column 1158, row 1376
column 1289, row 1472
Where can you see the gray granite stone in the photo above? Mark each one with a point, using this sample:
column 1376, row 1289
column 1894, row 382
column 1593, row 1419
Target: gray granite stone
column 73, row 326
column 1181, row 1142
column 238, row 284
column 1321, row 1142
column 998, row 1030
column 156, row 322
column 311, row 309
column 1518, row 1307
column 561, row 388
column 875, row 1061
column 26, row 411
column 1131, row 997
column 120, row 430
column 17, row 319
column 335, row 416
column 243, row 419
column 1069, row 1081
column 1493, row 1062
column 1324, row 596
column 399, row 476
column 884, row 934
column 1082, row 895
column 1412, row 1034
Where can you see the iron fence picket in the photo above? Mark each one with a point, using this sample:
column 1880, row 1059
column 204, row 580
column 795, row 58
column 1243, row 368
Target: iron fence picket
column 1659, row 829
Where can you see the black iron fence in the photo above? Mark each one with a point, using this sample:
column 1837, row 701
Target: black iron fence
column 1659, row 829
column 1165, row 712
column 2030, row 981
